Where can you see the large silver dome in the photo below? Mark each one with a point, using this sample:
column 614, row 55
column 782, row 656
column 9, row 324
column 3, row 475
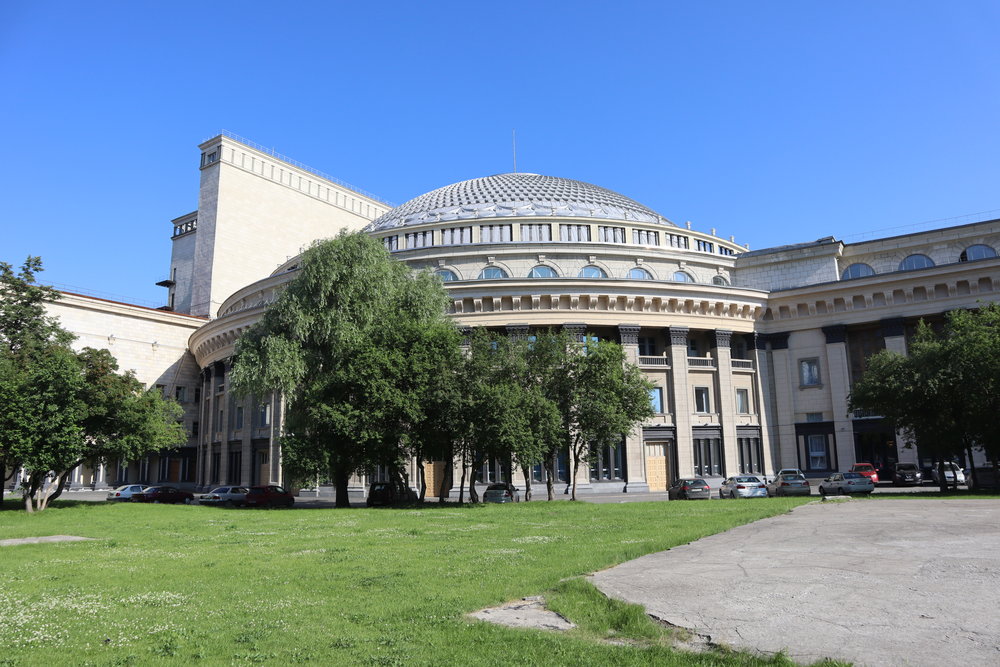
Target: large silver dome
column 516, row 195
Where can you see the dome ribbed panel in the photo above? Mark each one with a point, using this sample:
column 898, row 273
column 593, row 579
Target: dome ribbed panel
column 516, row 195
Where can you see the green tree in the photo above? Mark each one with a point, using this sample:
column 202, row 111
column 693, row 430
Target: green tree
column 351, row 344
column 59, row 408
column 944, row 395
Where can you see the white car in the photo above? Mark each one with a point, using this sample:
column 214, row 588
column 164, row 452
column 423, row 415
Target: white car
column 225, row 495
column 953, row 475
column 125, row 492
column 843, row 483
column 742, row 486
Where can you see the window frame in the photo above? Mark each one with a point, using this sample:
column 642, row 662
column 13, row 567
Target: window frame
column 745, row 408
column 706, row 393
column 808, row 380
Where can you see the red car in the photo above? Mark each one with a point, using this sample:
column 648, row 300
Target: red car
column 866, row 469
column 268, row 496
column 163, row 494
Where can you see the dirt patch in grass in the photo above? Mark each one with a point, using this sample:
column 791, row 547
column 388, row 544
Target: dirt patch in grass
column 40, row 540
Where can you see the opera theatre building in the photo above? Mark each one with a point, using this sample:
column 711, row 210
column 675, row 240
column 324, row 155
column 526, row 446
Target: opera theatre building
column 752, row 353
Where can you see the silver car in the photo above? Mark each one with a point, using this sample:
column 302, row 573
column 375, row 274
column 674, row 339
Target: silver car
column 229, row 496
column 843, row 483
column 742, row 486
column 501, row 493
column 953, row 475
column 789, row 484
column 124, row 493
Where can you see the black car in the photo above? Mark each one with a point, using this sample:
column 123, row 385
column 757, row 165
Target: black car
column 387, row 493
column 906, row 473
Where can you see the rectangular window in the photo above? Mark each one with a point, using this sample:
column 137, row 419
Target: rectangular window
column 494, row 234
column 647, row 346
column 705, row 246
column 643, row 237
column 391, row 242
column 180, row 394
column 813, row 417
column 456, row 235
column 708, row 454
column 726, row 251
column 743, row 401
column 420, row 239
column 701, row 404
column 751, row 455
column 809, row 373
column 238, row 417
column 219, row 422
column 610, row 234
column 816, row 446
column 574, row 233
column 194, row 429
column 197, row 394
column 263, row 415
column 536, row 232
column 692, row 347
column 677, row 241
column 656, row 400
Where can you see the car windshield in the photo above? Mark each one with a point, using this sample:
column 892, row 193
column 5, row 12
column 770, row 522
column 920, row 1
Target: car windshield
column 496, row 487
column 221, row 489
column 256, row 491
column 906, row 467
column 852, row 475
column 791, row 478
column 751, row 480
column 696, row 482
column 864, row 467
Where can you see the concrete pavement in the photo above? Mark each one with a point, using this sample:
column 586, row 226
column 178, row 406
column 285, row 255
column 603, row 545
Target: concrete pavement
column 888, row 582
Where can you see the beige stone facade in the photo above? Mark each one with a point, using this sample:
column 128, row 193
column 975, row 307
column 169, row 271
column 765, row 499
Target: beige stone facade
column 753, row 354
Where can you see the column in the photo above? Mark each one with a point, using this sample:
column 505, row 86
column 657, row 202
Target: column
column 763, row 387
column 681, row 397
column 635, row 453
column 218, row 400
column 783, row 378
column 727, row 399
column 204, row 444
column 837, row 373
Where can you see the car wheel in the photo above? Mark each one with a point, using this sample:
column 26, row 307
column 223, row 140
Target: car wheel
column 189, row 501
column 841, row 492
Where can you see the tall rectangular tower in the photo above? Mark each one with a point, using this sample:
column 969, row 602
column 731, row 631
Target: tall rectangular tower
column 256, row 209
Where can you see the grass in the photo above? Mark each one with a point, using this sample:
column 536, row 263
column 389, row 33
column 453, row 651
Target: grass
column 189, row 584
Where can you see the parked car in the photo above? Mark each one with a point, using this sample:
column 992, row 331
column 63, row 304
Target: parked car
column 789, row 484
column 983, row 479
column 387, row 493
column 501, row 493
column 689, row 488
column 229, row 496
column 906, row 473
column 742, row 486
column 163, row 494
column 271, row 495
column 866, row 469
column 124, row 493
column 843, row 483
column 953, row 475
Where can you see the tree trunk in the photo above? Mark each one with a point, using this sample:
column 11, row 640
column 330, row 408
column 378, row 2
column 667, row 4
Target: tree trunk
column 341, row 478
column 461, row 484
column 61, row 487
column 477, row 463
column 422, row 474
column 942, row 482
column 550, row 472
column 526, row 471
column 576, row 469
column 972, row 482
column 448, row 479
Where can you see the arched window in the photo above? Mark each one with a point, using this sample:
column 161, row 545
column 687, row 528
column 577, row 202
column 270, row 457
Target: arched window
column 492, row 273
column 978, row 251
column 720, row 280
column 542, row 271
column 640, row 274
column 859, row 270
column 446, row 275
column 682, row 277
column 592, row 272
column 914, row 262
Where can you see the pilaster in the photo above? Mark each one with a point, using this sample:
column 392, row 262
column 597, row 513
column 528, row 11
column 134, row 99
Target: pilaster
column 837, row 370
column 726, row 400
column 680, row 391
column 784, row 418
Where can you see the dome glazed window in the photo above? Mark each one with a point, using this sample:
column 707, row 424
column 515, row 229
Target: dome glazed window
column 542, row 271
column 592, row 272
column 682, row 277
column 446, row 275
column 492, row 273
column 720, row 281
column 914, row 262
column 639, row 273
column 859, row 270
column 978, row 251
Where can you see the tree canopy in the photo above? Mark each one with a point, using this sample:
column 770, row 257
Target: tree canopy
column 355, row 344
column 944, row 395
column 59, row 408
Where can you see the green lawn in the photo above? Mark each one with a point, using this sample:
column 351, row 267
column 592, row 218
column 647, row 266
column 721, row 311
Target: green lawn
column 186, row 584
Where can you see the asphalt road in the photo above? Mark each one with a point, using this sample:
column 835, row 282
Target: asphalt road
column 893, row 582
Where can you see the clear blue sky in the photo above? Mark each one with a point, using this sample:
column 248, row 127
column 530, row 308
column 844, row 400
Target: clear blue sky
column 777, row 122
